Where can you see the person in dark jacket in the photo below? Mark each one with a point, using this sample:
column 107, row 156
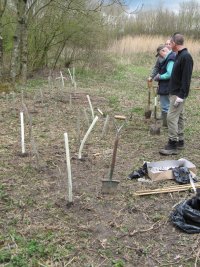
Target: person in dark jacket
column 155, row 71
column 179, row 87
column 163, row 77
column 156, row 67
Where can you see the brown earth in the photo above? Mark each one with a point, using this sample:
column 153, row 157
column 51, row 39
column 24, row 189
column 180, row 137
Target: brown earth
column 98, row 229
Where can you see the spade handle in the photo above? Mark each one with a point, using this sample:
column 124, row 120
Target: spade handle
column 114, row 156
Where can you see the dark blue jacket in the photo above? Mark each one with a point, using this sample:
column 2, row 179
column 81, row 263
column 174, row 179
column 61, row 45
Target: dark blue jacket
column 163, row 85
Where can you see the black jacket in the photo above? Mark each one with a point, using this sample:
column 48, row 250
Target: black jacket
column 163, row 85
column 179, row 84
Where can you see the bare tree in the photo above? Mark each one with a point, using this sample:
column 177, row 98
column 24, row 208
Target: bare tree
column 189, row 18
column 17, row 39
column 30, row 11
column 3, row 4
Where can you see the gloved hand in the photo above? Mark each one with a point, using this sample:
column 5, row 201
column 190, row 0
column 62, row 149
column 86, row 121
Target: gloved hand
column 178, row 101
column 157, row 77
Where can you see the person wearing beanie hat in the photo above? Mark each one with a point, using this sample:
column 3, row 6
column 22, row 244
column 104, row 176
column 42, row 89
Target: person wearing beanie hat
column 163, row 77
column 156, row 68
column 160, row 48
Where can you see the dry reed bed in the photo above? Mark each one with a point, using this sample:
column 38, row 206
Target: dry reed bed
column 146, row 43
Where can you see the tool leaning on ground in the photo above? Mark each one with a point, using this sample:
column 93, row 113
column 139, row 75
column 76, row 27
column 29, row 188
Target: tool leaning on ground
column 109, row 186
column 148, row 110
column 155, row 128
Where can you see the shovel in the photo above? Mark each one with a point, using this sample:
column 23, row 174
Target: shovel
column 155, row 128
column 110, row 185
column 148, row 111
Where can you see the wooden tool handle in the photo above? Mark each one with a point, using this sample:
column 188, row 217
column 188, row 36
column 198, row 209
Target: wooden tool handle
column 149, row 84
column 114, row 156
column 120, row 117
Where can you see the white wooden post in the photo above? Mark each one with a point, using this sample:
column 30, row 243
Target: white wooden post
column 62, row 80
column 105, row 125
column 22, row 131
column 68, row 167
column 91, row 107
column 86, row 136
column 72, row 81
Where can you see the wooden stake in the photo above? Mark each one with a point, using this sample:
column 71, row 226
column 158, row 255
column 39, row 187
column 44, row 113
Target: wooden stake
column 68, row 167
column 22, row 96
column 105, row 126
column 72, row 81
column 62, row 80
column 177, row 188
column 30, row 127
column 14, row 103
column 50, row 85
column 25, row 109
column 86, row 136
column 70, row 100
column 22, row 131
column 42, row 97
column 35, row 151
column 91, row 107
column 78, row 127
column 100, row 111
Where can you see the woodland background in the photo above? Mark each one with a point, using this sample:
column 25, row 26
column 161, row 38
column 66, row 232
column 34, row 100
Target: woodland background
column 49, row 34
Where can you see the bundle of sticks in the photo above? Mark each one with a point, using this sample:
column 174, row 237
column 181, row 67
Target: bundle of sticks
column 169, row 189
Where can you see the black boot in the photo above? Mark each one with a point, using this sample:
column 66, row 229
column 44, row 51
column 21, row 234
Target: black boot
column 180, row 144
column 170, row 148
column 164, row 118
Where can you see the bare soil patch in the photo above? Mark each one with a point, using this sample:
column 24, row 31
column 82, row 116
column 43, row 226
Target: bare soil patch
column 39, row 228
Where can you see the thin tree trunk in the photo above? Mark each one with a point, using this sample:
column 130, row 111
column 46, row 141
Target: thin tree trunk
column 1, row 58
column 24, row 53
column 3, row 4
column 15, row 57
column 19, row 54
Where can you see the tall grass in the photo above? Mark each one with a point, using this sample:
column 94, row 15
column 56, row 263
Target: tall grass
column 128, row 46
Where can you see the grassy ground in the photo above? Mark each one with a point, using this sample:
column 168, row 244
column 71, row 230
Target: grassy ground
column 38, row 226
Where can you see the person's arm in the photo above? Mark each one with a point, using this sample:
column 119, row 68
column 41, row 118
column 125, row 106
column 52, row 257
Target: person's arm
column 167, row 74
column 155, row 69
column 187, row 65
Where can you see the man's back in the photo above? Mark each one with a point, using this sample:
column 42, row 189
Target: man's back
column 181, row 74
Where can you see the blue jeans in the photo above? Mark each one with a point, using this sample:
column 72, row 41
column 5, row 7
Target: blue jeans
column 164, row 103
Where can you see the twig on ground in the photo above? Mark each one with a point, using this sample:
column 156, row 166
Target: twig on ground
column 177, row 262
column 141, row 231
column 70, row 261
column 145, row 230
